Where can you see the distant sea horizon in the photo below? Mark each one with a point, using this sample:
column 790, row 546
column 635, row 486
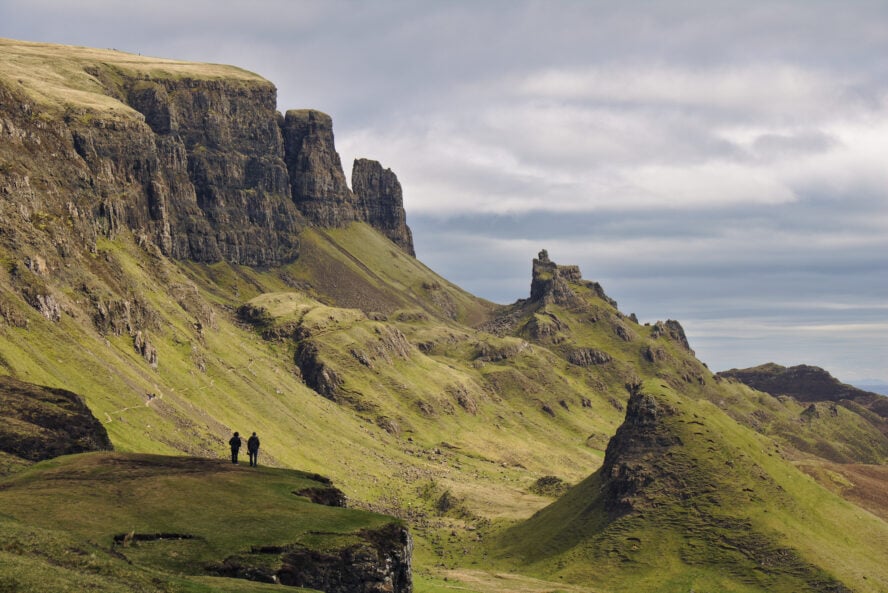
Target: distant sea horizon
column 880, row 388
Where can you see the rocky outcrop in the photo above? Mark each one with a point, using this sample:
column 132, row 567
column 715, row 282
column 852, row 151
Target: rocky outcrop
column 550, row 283
column 630, row 460
column 587, row 357
column 672, row 330
column 38, row 423
column 380, row 562
column 316, row 179
column 381, row 202
column 317, row 375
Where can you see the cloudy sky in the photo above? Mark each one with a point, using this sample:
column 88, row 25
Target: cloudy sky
column 722, row 163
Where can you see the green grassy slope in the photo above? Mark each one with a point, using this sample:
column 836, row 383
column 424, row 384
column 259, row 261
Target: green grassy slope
column 424, row 408
column 702, row 504
column 105, row 510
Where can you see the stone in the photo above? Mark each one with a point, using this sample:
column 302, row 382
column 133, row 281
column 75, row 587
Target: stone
column 317, row 183
column 381, row 203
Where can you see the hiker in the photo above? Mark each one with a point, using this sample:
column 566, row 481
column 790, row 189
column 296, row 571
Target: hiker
column 253, row 449
column 235, row 443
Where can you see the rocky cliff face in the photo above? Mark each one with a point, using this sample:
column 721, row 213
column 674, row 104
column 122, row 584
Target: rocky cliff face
column 379, row 563
column 316, row 178
column 381, row 202
column 201, row 176
column 201, row 166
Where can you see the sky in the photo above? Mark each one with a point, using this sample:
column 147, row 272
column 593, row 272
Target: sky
column 721, row 163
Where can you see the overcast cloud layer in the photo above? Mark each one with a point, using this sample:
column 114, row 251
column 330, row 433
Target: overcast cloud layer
column 720, row 163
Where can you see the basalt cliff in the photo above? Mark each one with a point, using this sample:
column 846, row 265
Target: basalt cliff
column 199, row 164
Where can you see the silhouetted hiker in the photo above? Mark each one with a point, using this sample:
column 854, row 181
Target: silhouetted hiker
column 235, row 443
column 253, row 449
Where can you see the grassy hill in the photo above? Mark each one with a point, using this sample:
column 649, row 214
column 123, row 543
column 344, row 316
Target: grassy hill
column 117, row 522
column 689, row 500
column 60, row 77
column 422, row 414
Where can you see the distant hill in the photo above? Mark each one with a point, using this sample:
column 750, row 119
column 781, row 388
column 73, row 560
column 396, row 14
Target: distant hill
column 807, row 384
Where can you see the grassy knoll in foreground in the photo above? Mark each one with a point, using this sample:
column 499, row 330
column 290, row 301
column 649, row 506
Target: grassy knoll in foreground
column 150, row 522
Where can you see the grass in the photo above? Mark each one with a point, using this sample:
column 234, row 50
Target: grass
column 722, row 513
column 481, row 432
column 60, row 76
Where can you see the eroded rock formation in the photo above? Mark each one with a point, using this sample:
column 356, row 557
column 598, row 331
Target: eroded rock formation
column 381, row 202
column 316, row 178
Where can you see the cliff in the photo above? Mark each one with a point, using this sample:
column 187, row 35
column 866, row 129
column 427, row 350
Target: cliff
column 316, row 178
column 192, row 158
column 381, row 202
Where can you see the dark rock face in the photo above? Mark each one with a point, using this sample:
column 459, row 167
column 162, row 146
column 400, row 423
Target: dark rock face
column 381, row 202
column 220, row 183
column 379, row 565
column 327, row 496
column 317, row 182
column 41, row 422
column 630, row 465
column 672, row 330
column 202, row 177
column 587, row 357
column 316, row 374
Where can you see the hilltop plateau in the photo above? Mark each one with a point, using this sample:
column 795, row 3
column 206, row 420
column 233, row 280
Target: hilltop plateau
column 181, row 261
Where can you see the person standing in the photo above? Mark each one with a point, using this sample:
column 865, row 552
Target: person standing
column 235, row 444
column 253, row 449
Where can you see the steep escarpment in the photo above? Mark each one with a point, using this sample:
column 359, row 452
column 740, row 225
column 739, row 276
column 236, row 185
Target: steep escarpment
column 193, row 166
column 219, row 189
column 193, row 159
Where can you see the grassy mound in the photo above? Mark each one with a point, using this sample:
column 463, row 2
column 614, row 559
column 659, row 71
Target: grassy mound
column 687, row 499
column 165, row 522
